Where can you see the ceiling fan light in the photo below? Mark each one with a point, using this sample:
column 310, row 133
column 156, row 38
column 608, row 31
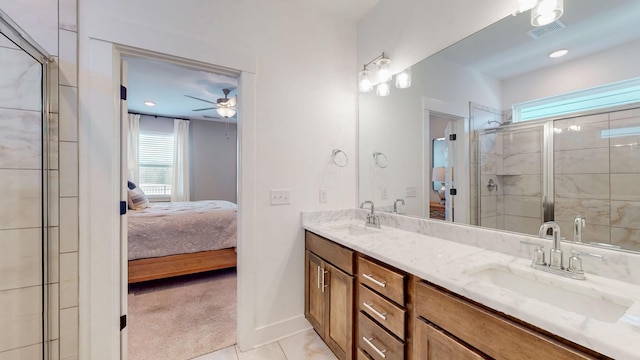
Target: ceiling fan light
column 546, row 12
column 364, row 82
column 226, row 112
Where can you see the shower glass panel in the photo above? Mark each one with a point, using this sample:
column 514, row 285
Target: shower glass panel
column 510, row 179
column 588, row 165
column 24, row 326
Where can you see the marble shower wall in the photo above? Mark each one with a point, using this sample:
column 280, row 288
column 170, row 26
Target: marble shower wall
column 597, row 171
column 21, row 283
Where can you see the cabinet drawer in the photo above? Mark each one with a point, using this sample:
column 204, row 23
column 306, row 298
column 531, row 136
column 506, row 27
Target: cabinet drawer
column 495, row 336
column 385, row 312
column 381, row 279
column 337, row 255
column 377, row 342
column 363, row 355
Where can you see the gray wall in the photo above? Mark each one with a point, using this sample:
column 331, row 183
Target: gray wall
column 213, row 156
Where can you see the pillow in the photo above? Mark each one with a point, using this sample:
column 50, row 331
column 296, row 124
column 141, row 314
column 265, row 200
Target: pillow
column 137, row 199
column 131, row 185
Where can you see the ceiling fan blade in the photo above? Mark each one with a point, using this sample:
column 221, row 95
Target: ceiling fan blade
column 193, row 97
column 209, row 108
column 213, row 117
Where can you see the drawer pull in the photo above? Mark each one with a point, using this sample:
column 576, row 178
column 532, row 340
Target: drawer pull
column 373, row 280
column 382, row 316
column 370, row 343
column 318, row 276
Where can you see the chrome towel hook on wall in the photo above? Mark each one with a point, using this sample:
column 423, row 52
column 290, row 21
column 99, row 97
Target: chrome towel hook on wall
column 380, row 159
column 491, row 185
column 339, row 158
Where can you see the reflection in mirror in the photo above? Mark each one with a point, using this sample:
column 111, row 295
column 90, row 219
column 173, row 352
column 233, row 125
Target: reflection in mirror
column 543, row 161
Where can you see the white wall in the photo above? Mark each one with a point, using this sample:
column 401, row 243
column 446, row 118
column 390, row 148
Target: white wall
column 286, row 141
column 213, row 160
column 617, row 64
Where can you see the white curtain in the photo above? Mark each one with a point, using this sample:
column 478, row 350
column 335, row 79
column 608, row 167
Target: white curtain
column 180, row 180
column 132, row 148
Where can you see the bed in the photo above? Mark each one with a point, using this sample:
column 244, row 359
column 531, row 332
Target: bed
column 178, row 238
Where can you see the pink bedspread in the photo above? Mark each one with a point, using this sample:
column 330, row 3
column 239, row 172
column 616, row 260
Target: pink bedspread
column 171, row 228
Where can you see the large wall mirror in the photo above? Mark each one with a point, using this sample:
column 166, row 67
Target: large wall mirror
column 514, row 169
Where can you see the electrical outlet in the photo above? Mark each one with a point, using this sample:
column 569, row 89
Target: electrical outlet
column 323, row 195
column 280, row 197
column 411, row 191
column 383, row 193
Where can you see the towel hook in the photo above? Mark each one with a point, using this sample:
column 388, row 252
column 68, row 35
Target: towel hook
column 380, row 159
column 339, row 158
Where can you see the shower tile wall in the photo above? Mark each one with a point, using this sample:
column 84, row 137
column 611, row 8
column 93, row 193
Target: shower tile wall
column 513, row 161
column 597, row 171
column 20, row 213
column 62, row 287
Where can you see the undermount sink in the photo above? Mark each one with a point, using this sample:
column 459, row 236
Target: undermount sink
column 356, row 230
column 579, row 299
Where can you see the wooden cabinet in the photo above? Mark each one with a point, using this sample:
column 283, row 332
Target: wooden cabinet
column 492, row 334
column 329, row 293
column 432, row 343
column 382, row 320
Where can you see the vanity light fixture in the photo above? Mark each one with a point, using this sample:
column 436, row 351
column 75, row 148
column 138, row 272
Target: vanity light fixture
column 383, row 77
column 546, row 12
column 543, row 12
column 403, row 79
column 383, row 89
column 149, row 103
column 558, row 53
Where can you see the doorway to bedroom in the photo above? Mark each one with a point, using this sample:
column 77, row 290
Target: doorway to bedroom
column 179, row 154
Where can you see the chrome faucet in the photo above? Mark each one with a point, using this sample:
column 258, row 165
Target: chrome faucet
column 395, row 205
column 578, row 224
column 574, row 270
column 555, row 254
column 372, row 218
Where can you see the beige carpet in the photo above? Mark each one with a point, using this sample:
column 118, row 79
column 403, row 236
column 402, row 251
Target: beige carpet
column 182, row 318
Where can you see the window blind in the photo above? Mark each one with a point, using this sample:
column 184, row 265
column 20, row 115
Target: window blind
column 155, row 160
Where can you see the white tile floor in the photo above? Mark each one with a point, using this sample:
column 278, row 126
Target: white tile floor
column 306, row 345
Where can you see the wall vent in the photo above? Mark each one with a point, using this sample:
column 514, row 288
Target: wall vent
column 539, row 32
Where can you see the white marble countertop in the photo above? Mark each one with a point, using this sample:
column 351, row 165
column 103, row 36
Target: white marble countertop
column 451, row 264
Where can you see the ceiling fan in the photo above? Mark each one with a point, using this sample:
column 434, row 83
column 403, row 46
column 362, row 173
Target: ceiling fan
column 225, row 107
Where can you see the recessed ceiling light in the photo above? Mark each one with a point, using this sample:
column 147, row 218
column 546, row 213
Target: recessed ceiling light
column 558, row 53
column 149, row 103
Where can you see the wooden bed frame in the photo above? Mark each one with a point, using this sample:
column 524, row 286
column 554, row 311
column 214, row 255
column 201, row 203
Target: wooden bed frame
column 182, row 264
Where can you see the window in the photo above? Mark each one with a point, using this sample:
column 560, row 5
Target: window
column 156, row 163
column 621, row 93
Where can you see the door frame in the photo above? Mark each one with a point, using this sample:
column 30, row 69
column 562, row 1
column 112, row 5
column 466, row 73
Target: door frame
column 100, row 263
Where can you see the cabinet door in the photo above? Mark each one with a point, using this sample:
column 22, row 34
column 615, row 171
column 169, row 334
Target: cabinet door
column 433, row 344
column 339, row 326
column 314, row 305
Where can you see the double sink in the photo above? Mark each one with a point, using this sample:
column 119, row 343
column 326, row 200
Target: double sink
column 566, row 294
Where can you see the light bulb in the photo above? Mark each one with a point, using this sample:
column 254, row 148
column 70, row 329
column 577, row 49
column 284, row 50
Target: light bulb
column 384, row 74
column 547, row 12
column 383, row 89
column 403, row 79
column 364, row 83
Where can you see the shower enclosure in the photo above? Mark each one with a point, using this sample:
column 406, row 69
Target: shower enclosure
column 556, row 169
column 26, row 287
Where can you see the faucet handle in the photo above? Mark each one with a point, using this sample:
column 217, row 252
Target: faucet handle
column 575, row 262
column 538, row 254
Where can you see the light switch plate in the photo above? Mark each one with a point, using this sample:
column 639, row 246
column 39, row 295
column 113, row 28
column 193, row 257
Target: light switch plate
column 280, row 196
column 323, row 195
column 411, row 191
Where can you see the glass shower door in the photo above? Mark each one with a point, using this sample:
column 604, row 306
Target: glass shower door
column 23, row 214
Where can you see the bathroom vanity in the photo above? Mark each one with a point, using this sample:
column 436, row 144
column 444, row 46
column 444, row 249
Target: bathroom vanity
column 397, row 294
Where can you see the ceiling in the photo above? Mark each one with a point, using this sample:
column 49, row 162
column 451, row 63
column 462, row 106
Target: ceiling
column 504, row 50
column 166, row 84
